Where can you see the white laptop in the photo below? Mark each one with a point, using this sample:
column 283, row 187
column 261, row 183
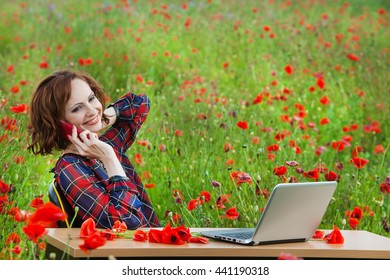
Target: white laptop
column 292, row 214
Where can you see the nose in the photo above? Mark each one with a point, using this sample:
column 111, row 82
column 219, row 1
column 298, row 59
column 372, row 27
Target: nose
column 91, row 110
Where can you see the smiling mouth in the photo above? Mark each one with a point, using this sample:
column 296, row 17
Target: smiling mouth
column 93, row 121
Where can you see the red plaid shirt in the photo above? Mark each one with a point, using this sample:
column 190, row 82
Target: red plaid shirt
column 86, row 185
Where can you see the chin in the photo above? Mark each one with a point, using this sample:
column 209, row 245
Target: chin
column 96, row 128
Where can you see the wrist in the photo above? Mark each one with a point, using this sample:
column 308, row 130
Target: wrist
column 113, row 165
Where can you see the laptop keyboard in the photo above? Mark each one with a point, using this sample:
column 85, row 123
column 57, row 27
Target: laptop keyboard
column 240, row 235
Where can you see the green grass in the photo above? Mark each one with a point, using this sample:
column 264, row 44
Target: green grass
column 184, row 75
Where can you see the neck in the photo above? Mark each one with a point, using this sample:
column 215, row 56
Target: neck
column 71, row 149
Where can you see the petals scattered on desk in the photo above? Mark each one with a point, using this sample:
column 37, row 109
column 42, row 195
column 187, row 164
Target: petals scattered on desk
column 335, row 237
column 93, row 241
column 169, row 235
column 319, row 234
column 94, row 238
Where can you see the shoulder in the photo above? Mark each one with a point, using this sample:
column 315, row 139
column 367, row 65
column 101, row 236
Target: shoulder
column 69, row 160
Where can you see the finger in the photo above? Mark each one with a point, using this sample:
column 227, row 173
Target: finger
column 74, row 138
column 84, row 135
column 87, row 135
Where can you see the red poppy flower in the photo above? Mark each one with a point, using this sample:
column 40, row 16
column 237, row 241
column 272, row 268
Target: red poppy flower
column 324, row 121
column 331, row 176
column 184, row 233
column 37, row 202
column 43, row 65
column 258, row 99
column 10, row 68
column 325, row 100
column 178, row 133
column 15, row 89
column 288, row 69
column 19, row 215
column 119, row 226
column 47, row 214
column 3, row 202
column 241, row 177
column 353, row 222
column 204, row 196
column 320, row 83
column 140, row 79
column 335, row 237
column 243, row 125
column 273, row 148
column 359, row 162
column 149, row 185
column 385, row 187
column 13, row 237
column 88, row 228
column 34, row 231
column 353, row 57
column 319, row 234
column 140, row 235
column 231, row 214
column 9, row 123
column 355, row 213
column 280, row 170
column 373, row 127
column 192, row 204
column 155, row 236
column 221, row 200
column 312, row 174
column 17, row 250
column 379, row 149
column 108, row 234
column 338, row 145
column 266, row 28
column 138, row 159
column 92, row 242
column 198, row 239
column 22, row 108
column 170, row 236
column 4, row 188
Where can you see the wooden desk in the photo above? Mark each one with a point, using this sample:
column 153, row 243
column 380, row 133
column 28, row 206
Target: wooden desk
column 357, row 245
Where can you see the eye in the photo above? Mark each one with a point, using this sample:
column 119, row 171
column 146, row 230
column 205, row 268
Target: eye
column 75, row 109
column 91, row 98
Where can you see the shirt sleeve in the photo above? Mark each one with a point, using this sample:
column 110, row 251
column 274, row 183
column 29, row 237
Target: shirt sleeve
column 133, row 110
column 103, row 200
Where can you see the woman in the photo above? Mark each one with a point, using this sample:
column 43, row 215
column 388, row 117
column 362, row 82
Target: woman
column 93, row 171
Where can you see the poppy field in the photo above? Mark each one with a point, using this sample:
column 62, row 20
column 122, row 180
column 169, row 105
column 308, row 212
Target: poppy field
column 244, row 95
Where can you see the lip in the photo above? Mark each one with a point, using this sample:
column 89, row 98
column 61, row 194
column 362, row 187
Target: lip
column 93, row 121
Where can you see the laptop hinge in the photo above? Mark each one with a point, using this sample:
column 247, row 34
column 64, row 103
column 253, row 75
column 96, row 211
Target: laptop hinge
column 281, row 241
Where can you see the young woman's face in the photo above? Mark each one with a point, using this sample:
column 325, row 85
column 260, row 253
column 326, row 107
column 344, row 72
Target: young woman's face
column 83, row 109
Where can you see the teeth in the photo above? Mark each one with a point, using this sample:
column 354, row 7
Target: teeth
column 93, row 120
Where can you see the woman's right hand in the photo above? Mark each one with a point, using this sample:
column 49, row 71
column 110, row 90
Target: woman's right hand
column 89, row 145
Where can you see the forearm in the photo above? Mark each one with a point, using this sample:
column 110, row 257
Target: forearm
column 111, row 114
column 113, row 165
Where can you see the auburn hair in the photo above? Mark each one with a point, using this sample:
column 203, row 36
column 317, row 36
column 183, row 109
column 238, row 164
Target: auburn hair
column 47, row 108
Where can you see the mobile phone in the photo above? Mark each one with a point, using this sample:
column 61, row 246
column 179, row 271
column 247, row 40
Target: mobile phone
column 66, row 129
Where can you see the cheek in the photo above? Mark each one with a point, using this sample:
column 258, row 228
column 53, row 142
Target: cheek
column 74, row 118
column 97, row 104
